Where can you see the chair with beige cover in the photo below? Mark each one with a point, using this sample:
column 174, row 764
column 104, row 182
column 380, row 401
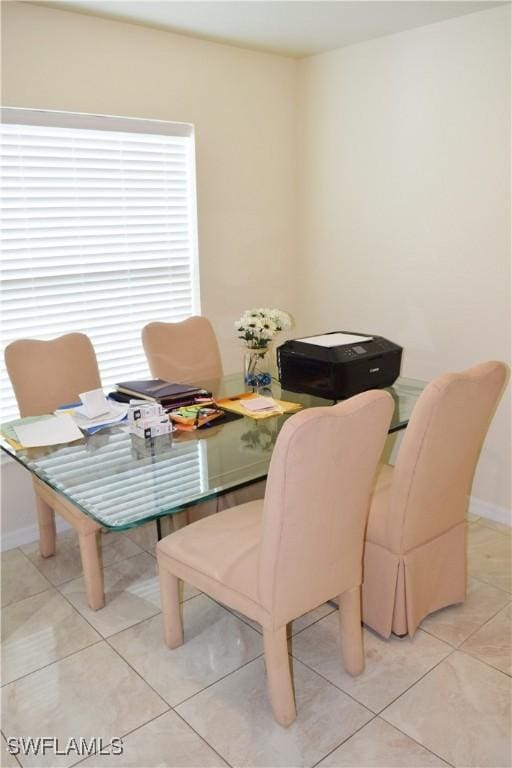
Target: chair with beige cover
column 45, row 375
column 415, row 542
column 275, row 559
column 187, row 352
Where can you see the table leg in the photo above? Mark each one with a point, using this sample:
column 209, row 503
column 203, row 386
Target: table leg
column 93, row 571
column 47, row 534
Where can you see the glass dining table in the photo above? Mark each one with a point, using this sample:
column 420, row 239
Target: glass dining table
column 122, row 481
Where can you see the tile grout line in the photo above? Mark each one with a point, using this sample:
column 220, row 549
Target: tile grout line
column 210, row 685
column 378, row 717
column 140, row 676
column 471, row 634
column 80, row 575
column 100, row 639
column 489, row 584
column 345, row 740
column 103, row 639
column 140, row 621
column 29, row 597
column 35, row 594
column 326, row 679
column 50, row 663
column 89, row 645
column 485, row 663
column 224, row 760
column 452, row 650
column 14, row 756
column 299, row 631
column 124, row 735
column 18, row 549
column 109, row 565
column 378, row 714
column 117, row 632
column 143, row 725
column 173, row 708
column 261, row 656
column 491, row 527
column 408, row 736
column 475, row 631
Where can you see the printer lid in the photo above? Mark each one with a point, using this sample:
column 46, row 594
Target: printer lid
column 334, row 339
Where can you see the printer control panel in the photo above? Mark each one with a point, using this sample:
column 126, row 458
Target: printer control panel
column 349, row 352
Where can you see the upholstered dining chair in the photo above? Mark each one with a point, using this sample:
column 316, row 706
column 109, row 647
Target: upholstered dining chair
column 44, row 375
column 184, row 352
column 188, row 352
column 414, row 559
column 275, row 559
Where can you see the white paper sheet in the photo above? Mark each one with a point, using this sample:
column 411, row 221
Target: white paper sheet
column 115, row 412
column 259, row 404
column 94, row 403
column 335, row 339
column 51, row 431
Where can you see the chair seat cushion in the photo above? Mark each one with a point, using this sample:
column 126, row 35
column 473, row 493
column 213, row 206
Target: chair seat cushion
column 378, row 518
column 223, row 547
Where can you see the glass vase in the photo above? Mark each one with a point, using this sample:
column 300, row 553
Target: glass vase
column 257, row 368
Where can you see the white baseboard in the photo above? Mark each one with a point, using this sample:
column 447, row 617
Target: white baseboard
column 482, row 508
column 27, row 535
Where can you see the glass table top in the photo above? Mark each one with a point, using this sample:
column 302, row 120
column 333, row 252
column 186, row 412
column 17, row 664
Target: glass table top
column 122, row 481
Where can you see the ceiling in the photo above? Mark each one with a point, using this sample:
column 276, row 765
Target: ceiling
column 288, row 27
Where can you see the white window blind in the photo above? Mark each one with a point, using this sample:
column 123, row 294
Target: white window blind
column 98, row 233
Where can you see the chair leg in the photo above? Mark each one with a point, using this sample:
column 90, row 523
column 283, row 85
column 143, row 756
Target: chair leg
column 47, row 532
column 279, row 679
column 90, row 550
column 170, row 600
column 351, row 631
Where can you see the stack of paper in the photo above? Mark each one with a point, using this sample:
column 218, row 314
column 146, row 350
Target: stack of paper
column 50, row 431
column 117, row 412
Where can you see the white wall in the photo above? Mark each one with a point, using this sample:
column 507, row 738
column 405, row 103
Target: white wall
column 242, row 104
column 402, row 223
column 404, row 208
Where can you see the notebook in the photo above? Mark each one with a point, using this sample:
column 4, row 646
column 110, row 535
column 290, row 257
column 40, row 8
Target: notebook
column 161, row 391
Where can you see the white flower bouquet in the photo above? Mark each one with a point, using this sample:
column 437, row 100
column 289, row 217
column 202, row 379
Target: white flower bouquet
column 257, row 327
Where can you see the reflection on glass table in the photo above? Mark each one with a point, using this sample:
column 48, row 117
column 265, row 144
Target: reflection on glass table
column 122, row 481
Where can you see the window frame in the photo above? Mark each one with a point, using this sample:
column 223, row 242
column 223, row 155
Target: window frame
column 110, row 123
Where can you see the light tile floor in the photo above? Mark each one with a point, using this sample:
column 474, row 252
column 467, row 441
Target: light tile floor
column 440, row 699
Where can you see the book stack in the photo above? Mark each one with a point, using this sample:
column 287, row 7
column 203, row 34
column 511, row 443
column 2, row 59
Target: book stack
column 170, row 396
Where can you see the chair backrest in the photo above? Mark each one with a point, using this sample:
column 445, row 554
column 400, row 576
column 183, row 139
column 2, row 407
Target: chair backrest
column 316, row 503
column 437, row 459
column 46, row 374
column 185, row 352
